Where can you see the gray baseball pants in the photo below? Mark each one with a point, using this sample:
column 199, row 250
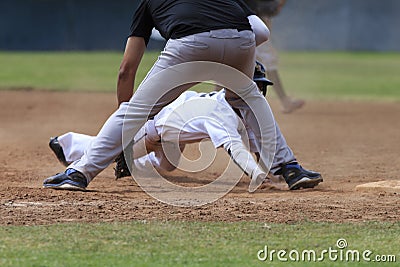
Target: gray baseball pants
column 229, row 47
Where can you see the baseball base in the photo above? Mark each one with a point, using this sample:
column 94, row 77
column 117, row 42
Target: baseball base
column 388, row 186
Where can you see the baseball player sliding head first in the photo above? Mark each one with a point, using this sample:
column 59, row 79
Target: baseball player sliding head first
column 179, row 121
column 223, row 37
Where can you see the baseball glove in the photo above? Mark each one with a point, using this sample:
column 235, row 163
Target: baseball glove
column 121, row 169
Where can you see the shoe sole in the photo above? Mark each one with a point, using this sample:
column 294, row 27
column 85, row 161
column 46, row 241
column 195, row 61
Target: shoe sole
column 65, row 186
column 306, row 183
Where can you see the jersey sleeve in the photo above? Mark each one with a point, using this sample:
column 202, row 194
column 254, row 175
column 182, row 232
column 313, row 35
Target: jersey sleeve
column 252, row 140
column 222, row 129
column 142, row 22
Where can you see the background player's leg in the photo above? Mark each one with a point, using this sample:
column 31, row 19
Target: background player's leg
column 289, row 104
column 267, row 54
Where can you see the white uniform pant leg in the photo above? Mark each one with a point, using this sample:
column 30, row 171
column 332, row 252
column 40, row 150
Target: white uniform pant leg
column 74, row 145
column 105, row 147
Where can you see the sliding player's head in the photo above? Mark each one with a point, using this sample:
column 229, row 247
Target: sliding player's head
column 259, row 78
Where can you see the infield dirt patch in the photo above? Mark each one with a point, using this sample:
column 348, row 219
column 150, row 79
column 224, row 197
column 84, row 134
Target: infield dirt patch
column 350, row 143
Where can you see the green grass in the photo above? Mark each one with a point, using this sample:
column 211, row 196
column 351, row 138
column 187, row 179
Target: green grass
column 71, row 71
column 342, row 75
column 312, row 75
column 187, row 243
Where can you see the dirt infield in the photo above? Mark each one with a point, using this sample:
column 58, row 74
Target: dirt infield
column 350, row 143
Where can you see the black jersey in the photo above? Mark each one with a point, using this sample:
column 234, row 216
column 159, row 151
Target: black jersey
column 179, row 18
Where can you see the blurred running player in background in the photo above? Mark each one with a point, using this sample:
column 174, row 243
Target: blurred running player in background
column 268, row 55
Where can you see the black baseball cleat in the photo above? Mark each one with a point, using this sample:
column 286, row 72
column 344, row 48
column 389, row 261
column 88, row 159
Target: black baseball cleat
column 70, row 180
column 297, row 177
column 121, row 169
column 58, row 150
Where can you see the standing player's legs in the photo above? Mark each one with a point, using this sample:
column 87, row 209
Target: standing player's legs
column 260, row 118
column 230, row 47
column 286, row 166
column 108, row 144
column 284, row 162
column 283, row 153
